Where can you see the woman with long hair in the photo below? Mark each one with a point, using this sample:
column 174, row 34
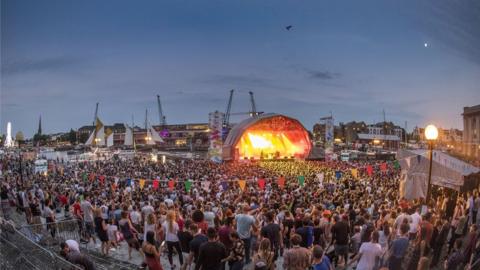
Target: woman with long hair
column 265, row 254
column 170, row 227
column 129, row 233
column 149, row 225
column 101, row 229
column 152, row 254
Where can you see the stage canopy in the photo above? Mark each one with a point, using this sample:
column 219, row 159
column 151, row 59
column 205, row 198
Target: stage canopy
column 447, row 171
column 267, row 136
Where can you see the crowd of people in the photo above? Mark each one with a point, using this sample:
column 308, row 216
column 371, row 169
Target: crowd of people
column 326, row 220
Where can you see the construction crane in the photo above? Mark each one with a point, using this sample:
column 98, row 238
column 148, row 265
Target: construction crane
column 162, row 118
column 95, row 116
column 226, row 119
column 252, row 101
column 228, row 113
column 146, row 119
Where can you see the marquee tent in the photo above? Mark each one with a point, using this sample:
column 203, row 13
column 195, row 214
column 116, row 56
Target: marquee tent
column 447, row 171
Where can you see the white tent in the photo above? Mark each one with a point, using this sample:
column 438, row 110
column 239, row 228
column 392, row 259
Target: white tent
column 447, row 172
column 128, row 136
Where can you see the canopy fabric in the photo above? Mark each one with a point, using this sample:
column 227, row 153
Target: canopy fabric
column 415, row 167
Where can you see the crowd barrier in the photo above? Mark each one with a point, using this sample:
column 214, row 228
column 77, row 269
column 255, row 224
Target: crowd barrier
column 20, row 252
column 50, row 235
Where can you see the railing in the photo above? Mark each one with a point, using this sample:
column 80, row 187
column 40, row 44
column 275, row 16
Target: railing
column 20, row 252
column 51, row 235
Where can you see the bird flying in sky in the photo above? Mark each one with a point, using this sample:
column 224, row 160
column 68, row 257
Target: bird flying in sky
column 289, row 27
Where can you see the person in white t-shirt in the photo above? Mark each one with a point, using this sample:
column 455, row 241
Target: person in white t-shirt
column 170, row 228
column 147, row 209
column 104, row 211
column 73, row 245
column 209, row 216
column 399, row 220
column 136, row 218
column 368, row 253
column 416, row 220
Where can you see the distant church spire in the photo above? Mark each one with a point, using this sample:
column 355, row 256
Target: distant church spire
column 39, row 132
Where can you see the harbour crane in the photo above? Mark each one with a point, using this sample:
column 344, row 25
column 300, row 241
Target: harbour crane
column 162, row 118
column 228, row 113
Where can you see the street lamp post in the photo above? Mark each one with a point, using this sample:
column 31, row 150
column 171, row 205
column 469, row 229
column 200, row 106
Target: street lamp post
column 431, row 134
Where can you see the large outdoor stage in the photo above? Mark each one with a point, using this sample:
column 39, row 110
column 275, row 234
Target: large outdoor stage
column 267, row 136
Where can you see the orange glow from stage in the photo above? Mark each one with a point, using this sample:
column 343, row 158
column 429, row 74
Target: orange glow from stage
column 269, row 144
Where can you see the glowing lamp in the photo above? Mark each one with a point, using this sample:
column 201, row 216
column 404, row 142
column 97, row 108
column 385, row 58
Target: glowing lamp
column 431, row 132
column 376, row 141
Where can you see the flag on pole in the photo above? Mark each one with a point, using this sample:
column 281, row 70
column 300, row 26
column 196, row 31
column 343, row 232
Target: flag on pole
column 155, row 183
column 320, row 177
column 369, row 170
column 171, row 184
column 354, row 173
column 141, row 182
column 101, row 178
column 396, row 165
column 383, row 167
column 281, row 182
column 261, row 183
column 206, row 185
column 242, row 184
column 92, row 176
column 338, row 174
column 129, row 182
column 301, row 180
column 188, row 185
column 224, row 185
column 114, row 186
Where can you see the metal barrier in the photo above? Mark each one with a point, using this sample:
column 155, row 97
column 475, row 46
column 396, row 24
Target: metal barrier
column 50, row 235
column 20, row 252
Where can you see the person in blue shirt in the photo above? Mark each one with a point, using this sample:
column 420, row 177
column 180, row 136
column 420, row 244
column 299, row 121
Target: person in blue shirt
column 399, row 249
column 319, row 260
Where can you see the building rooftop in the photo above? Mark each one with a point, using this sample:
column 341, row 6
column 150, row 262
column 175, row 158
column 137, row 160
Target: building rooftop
column 471, row 110
column 363, row 136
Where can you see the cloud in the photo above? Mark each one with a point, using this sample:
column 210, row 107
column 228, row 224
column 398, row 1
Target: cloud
column 322, row 75
column 57, row 63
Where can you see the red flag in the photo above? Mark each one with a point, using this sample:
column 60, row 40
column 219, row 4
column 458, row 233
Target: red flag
column 369, row 170
column 281, row 182
column 261, row 183
column 171, row 184
column 383, row 167
column 101, row 178
column 114, row 186
column 155, row 183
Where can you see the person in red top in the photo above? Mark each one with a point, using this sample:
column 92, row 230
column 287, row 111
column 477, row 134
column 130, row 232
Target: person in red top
column 77, row 210
column 427, row 226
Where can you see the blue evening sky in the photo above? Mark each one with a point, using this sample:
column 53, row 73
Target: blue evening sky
column 353, row 58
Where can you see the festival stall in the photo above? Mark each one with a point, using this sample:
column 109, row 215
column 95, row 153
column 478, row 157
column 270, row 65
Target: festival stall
column 447, row 171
